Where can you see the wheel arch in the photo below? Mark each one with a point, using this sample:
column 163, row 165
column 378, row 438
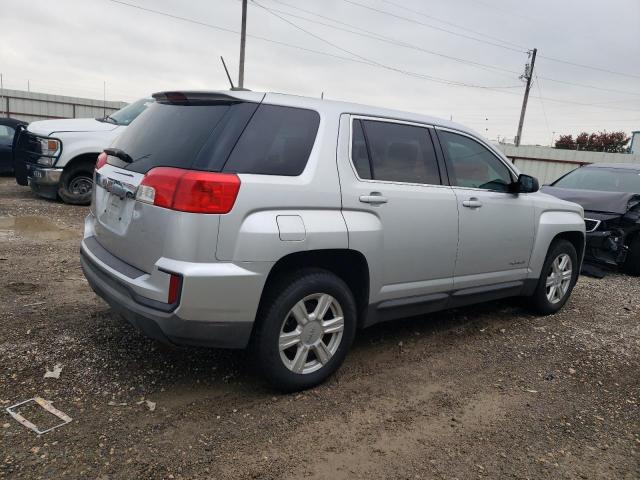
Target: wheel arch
column 349, row 265
column 552, row 225
column 89, row 158
column 577, row 239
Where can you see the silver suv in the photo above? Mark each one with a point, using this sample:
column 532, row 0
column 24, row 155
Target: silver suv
column 284, row 223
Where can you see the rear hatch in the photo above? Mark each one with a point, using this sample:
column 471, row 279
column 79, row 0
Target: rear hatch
column 159, row 188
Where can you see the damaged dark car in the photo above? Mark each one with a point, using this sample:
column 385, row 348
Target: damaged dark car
column 610, row 196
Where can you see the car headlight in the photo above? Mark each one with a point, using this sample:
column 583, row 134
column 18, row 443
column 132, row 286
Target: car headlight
column 50, row 149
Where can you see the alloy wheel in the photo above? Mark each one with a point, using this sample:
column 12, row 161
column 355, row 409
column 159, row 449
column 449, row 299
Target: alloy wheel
column 311, row 333
column 559, row 278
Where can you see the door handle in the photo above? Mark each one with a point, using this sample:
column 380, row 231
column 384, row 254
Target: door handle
column 374, row 198
column 473, row 202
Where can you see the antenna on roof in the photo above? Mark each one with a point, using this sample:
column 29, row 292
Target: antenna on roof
column 322, row 95
column 227, row 72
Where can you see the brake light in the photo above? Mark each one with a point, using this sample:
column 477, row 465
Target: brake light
column 189, row 190
column 102, row 161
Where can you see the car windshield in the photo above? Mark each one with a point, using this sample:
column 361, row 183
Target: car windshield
column 128, row 114
column 602, row 179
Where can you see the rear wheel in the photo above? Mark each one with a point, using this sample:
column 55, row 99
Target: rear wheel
column 632, row 263
column 557, row 279
column 76, row 184
column 306, row 328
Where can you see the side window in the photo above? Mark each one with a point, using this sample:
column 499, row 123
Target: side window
column 6, row 135
column 401, row 153
column 277, row 141
column 359, row 153
column 470, row 164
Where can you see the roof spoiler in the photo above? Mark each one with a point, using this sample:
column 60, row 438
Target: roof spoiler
column 197, row 98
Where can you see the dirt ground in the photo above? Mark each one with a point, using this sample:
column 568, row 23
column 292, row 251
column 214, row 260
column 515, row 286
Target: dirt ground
column 489, row 391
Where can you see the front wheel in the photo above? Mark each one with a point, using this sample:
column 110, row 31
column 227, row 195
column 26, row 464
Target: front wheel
column 306, row 327
column 76, row 184
column 557, row 279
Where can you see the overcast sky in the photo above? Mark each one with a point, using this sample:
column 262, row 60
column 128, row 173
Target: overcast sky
column 71, row 46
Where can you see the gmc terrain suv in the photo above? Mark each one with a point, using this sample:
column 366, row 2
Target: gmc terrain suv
column 284, row 223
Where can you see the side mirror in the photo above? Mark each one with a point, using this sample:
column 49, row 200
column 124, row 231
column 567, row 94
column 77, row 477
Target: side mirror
column 526, row 184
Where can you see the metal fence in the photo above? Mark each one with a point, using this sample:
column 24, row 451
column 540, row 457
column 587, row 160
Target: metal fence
column 548, row 164
column 32, row 106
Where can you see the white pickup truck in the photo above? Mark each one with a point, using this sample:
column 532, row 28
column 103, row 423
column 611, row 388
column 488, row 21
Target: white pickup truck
column 57, row 157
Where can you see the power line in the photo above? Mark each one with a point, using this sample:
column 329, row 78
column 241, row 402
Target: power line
column 553, row 59
column 376, row 36
column 422, row 14
column 236, row 32
column 370, row 61
column 593, row 87
column 581, row 65
column 361, row 60
column 340, row 57
column 411, row 20
column 393, row 41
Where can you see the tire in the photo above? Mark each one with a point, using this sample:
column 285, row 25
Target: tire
column 632, row 262
column 281, row 318
column 76, row 184
column 545, row 300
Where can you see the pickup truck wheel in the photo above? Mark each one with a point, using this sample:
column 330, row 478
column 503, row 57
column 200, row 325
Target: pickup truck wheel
column 306, row 328
column 557, row 279
column 76, row 184
column 632, row 262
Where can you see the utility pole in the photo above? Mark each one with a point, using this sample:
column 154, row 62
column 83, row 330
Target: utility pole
column 528, row 75
column 243, row 40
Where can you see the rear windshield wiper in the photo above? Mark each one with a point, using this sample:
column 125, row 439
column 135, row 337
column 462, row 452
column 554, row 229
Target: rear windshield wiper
column 121, row 154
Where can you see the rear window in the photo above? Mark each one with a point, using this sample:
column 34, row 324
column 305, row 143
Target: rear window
column 239, row 137
column 277, row 141
column 169, row 135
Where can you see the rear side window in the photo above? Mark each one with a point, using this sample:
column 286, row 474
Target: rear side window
column 169, row 135
column 277, row 141
column 399, row 152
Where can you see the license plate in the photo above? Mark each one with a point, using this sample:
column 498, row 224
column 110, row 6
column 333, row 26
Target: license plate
column 114, row 208
column 37, row 174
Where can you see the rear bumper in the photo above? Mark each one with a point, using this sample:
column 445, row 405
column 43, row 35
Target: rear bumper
column 165, row 327
column 209, row 313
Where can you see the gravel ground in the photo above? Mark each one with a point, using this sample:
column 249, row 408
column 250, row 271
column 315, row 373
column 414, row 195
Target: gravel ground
column 489, row 391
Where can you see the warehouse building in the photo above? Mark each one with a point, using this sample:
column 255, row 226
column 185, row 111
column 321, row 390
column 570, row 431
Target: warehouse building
column 32, row 106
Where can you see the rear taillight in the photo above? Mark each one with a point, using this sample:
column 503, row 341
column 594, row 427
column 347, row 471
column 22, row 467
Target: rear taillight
column 189, row 190
column 102, row 161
